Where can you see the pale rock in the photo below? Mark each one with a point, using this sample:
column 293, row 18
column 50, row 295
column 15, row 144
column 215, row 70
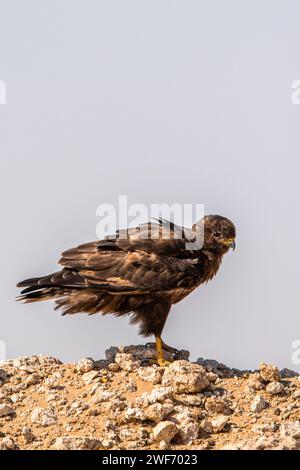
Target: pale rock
column 28, row 435
column 206, row 426
column 188, row 428
column 163, row 445
column 219, row 422
column 7, row 443
column 128, row 433
column 269, row 373
column 185, row 377
column 44, row 416
column 95, row 387
column 189, row 399
column 254, row 385
column 27, row 362
column 288, row 443
column 217, row 405
column 52, row 397
column 291, row 429
column 239, row 445
column 101, row 396
column 113, row 367
column 151, row 374
column 114, row 405
column 6, row 410
column 33, row 379
column 54, row 382
column 89, row 377
column 130, row 385
column 229, row 446
column 107, row 443
column 158, row 411
column 79, row 405
column 17, row 397
column 164, row 431
column 258, row 404
column 76, row 443
column 261, row 428
column 135, row 413
column 264, row 442
column 127, row 361
column 274, row 388
column 188, row 431
column 85, row 365
column 158, row 394
column 212, row 377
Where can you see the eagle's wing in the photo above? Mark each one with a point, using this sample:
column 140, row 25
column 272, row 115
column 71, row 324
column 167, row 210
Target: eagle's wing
column 162, row 238
column 134, row 264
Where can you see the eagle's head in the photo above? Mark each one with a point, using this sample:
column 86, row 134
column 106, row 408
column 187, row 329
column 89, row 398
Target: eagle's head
column 219, row 233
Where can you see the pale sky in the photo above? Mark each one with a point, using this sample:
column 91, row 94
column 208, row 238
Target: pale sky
column 162, row 101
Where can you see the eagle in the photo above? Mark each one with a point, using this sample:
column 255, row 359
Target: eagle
column 139, row 271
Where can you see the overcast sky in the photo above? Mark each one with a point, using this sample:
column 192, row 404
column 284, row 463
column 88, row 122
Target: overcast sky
column 162, row 101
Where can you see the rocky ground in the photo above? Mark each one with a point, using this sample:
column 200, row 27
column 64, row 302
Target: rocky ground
column 122, row 402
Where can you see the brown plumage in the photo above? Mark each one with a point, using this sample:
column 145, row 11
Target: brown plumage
column 141, row 272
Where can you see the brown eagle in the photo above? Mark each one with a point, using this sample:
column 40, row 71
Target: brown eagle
column 139, row 271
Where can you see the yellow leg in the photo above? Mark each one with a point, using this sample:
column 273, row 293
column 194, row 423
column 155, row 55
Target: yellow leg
column 160, row 353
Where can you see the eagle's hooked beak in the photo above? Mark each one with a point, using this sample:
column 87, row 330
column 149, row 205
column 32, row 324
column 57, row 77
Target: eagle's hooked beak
column 229, row 242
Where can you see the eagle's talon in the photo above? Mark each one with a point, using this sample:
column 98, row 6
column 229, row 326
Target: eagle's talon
column 175, row 356
column 156, row 362
column 170, row 349
column 163, row 362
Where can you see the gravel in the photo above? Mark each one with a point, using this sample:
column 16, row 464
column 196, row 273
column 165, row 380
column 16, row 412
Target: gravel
column 121, row 402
